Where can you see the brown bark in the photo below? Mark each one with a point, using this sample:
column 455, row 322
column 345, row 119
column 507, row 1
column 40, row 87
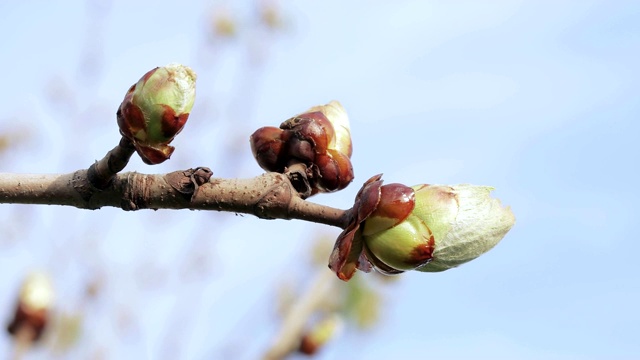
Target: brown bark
column 268, row 196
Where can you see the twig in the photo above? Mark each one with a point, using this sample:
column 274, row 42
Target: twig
column 269, row 196
column 102, row 172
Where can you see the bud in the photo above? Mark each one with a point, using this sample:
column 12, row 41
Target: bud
column 349, row 252
column 267, row 148
column 426, row 228
column 155, row 110
column 448, row 226
column 319, row 138
column 223, row 24
column 34, row 303
column 335, row 113
column 320, row 334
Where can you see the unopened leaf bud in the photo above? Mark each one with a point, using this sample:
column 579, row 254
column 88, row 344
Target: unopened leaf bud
column 319, row 138
column 465, row 220
column 425, row 227
column 447, row 226
column 155, row 110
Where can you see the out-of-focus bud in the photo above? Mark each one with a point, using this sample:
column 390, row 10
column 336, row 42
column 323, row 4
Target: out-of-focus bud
column 34, row 303
column 319, row 138
column 223, row 24
column 271, row 15
column 155, row 110
column 320, row 334
column 425, row 227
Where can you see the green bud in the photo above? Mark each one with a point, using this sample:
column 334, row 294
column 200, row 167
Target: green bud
column 448, row 226
column 465, row 220
column 156, row 109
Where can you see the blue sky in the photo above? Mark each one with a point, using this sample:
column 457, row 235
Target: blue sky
column 536, row 98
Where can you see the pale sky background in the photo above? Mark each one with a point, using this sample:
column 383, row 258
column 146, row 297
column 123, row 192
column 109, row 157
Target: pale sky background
column 539, row 99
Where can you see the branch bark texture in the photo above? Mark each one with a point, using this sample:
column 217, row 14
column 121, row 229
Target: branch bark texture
column 268, row 196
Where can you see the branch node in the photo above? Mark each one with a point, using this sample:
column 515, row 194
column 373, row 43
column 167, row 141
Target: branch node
column 276, row 202
column 188, row 182
column 82, row 185
column 136, row 195
column 298, row 175
column 96, row 179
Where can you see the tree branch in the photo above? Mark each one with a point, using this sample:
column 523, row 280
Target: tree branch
column 268, row 196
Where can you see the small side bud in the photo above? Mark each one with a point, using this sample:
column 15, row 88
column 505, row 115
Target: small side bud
column 319, row 138
column 35, row 301
column 155, row 110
